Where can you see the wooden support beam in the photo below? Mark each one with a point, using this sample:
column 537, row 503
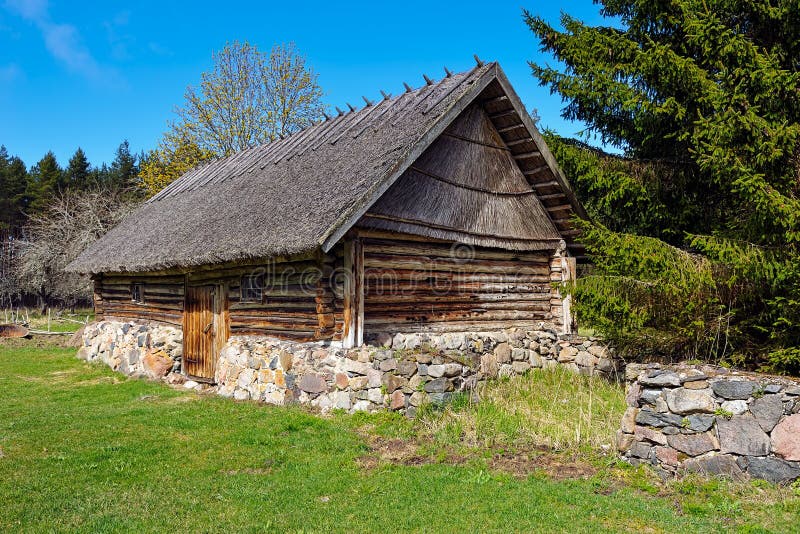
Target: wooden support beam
column 505, row 113
column 551, row 183
column 527, row 155
column 511, row 128
column 536, row 170
column 501, row 98
column 551, row 196
column 353, row 329
column 560, row 207
column 519, row 141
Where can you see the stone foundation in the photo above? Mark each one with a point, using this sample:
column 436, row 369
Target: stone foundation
column 711, row 420
column 398, row 372
column 134, row 349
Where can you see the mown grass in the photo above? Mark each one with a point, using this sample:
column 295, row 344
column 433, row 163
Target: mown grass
column 85, row 450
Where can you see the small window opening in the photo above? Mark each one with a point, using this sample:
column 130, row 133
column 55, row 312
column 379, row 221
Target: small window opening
column 252, row 288
column 137, row 293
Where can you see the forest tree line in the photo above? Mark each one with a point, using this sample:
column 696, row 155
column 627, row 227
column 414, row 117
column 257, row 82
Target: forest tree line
column 49, row 213
column 45, row 208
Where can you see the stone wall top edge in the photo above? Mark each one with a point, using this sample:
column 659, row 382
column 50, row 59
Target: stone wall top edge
column 685, row 369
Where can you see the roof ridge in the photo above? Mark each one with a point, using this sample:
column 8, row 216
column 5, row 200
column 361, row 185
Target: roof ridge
column 184, row 182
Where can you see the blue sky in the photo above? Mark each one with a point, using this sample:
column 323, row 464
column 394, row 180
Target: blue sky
column 91, row 74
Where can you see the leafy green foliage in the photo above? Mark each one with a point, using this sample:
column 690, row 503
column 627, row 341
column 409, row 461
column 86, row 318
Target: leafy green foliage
column 701, row 96
column 249, row 98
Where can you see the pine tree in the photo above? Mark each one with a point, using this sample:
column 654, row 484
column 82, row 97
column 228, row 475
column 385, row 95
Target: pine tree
column 78, row 171
column 701, row 96
column 45, row 181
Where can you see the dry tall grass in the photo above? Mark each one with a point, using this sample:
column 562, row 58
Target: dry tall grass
column 552, row 408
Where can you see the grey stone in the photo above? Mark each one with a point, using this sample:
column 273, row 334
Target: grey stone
column 341, row 400
column 670, row 430
column 503, row 353
column 133, row 356
column 773, row 388
column 439, row 385
column 606, row 365
column 650, row 418
column 768, row 411
column 640, row 449
column 440, row 398
column 239, row 394
column 650, row 395
column 389, row 364
column 245, row 378
column 693, row 444
column 375, row 395
column 310, row 383
column 793, row 390
column 700, row 422
column 686, row 401
column 520, row 367
column 518, row 355
column 452, row 369
column 436, row 371
column 773, row 469
column 585, row 359
column 733, row 389
column 406, row 368
column 736, row 407
column 362, row 406
column 422, row 369
column 661, row 378
column 417, row 398
column 374, row 378
column 717, row 464
column 741, row 434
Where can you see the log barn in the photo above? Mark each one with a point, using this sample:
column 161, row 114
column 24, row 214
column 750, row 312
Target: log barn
column 437, row 210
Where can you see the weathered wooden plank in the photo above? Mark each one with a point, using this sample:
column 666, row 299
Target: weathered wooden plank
column 423, row 263
column 382, row 246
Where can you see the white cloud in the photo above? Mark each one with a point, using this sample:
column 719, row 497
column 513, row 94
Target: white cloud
column 63, row 41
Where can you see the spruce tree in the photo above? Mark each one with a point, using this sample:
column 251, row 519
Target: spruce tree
column 701, row 97
column 78, row 171
column 123, row 171
column 45, row 181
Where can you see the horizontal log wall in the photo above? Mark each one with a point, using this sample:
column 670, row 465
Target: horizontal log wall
column 290, row 307
column 302, row 300
column 163, row 298
column 415, row 286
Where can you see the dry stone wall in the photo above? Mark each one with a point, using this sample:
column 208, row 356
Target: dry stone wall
column 147, row 350
column 398, row 372
column 712, row 420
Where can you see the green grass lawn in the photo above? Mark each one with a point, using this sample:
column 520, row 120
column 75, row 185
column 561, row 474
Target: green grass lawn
column 85, row 449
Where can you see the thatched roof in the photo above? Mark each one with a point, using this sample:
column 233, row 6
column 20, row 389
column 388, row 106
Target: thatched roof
column 304, row 192
column 466, row 187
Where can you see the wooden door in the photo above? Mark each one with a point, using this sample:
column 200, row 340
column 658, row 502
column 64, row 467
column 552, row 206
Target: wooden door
column 204, row 330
